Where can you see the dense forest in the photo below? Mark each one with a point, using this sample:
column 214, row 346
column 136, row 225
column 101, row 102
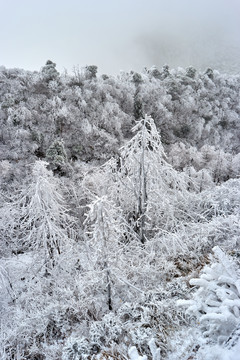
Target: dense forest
column 119, row 214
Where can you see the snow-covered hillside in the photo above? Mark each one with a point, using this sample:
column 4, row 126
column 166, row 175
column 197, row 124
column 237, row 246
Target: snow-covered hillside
column 119, row 231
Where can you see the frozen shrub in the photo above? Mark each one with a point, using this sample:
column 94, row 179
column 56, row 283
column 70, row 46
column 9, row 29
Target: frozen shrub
column 216, row 303
column 76, row 349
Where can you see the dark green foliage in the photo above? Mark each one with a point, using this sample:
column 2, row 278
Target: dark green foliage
column 138, row 113
column 91, row 71
column 224, row 124
column 57, row 157
column 174, row 90
column 39, row 139
column 165, row 71
column 155, row 73
column 137, row 79
column 105, row 77
column 49, row 71
column 191, row 72
column 183, row 131
column 209, row 73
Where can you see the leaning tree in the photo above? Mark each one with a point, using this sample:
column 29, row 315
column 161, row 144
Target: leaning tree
column 38, row 218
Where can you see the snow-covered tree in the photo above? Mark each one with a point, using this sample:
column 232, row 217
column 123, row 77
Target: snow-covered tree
column 105, row 229
column 57, row 157
column 146, row 186
column 49, row 71
column 38, row 219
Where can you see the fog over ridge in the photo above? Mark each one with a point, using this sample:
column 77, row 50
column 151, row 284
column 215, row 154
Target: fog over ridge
column 121, row 34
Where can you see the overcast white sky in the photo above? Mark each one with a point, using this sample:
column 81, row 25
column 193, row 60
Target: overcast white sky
column 120, row 34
